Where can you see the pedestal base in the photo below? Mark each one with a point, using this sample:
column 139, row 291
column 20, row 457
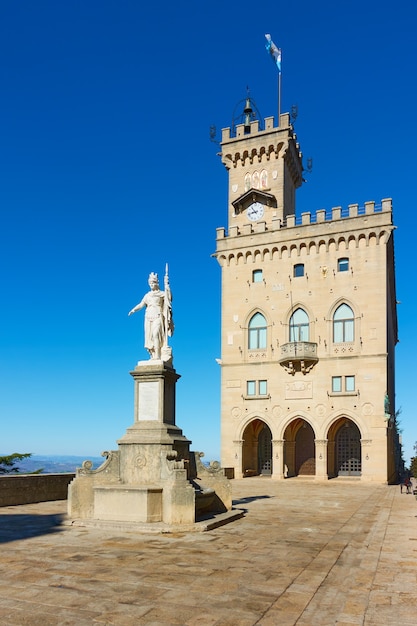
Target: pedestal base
column 128, row 503
column 152, row 477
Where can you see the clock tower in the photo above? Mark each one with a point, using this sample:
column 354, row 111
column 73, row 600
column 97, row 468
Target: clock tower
column 265, row 168
column 308, row 321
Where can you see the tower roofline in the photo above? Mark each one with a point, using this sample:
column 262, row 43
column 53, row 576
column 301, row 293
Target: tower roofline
column 284, row 125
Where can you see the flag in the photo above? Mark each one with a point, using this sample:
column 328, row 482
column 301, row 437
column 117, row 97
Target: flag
column 273, row 51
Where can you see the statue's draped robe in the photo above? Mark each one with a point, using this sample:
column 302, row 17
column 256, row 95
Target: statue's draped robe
column 158, row 318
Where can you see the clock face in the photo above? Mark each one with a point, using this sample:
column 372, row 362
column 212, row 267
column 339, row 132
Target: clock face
column 255, row 211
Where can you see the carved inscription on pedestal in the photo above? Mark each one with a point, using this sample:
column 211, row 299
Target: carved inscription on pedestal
column 148, row 400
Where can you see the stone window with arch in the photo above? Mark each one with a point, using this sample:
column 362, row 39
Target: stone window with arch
column 343, row 324
column 299, row 326
column 257, row 332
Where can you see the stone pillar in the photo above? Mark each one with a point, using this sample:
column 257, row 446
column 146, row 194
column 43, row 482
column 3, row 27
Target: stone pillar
column 238, row 463
column 290, row 457
column 331, row 461
column 278, row 459
column 321, row 459
column 366, row 445
column 154, row 404
column 154, row 392
column 153, row 433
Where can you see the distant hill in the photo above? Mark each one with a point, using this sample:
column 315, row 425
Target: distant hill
column 55, row 464
column 58, row 464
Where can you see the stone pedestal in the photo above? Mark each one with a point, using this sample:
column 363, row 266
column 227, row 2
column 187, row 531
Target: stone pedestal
column 153, row 437
column 153, row 476
column 133, row 504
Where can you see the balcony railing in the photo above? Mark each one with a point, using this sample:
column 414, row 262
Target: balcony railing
column 298, row 356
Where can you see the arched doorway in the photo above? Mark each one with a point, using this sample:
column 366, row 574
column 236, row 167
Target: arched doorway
column 265, row 451
column 257, row 449
column 348, row 450
column 305, row 452
column 299, row 449
column 344, row 449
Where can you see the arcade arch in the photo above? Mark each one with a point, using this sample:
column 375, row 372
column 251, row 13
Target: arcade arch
column 299, row 449
column 344, row 449
column 257, row 448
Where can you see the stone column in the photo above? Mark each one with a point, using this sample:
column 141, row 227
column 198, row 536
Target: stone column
column 321, row 459
column 331, row 461
column 278, row 459
column 366, row 445
column 238, row 445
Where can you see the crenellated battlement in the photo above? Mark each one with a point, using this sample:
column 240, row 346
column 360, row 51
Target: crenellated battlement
column 338, row 213
column 268, row 144
column 255, row 130
column 321, row 216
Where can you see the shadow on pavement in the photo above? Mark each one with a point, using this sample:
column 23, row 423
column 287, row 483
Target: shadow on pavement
column 249, row 499
column 14, row 526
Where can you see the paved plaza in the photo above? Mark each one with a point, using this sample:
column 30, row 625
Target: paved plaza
column 305, row 553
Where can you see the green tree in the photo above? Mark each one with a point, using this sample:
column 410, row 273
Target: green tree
column 413, row 462
column 8, row 462
column 413, row 466
column 397, row 421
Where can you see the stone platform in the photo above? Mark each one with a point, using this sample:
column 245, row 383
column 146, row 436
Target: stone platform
column 305, row 552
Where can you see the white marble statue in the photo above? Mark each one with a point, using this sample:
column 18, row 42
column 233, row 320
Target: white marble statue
column 159, row 324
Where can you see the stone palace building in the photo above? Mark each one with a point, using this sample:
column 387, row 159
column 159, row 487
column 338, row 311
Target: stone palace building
column 308, row 322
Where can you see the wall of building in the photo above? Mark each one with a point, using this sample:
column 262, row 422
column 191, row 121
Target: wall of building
column 361, row 237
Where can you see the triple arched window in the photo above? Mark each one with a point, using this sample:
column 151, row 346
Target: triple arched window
column 299, row 327
column 257, row 332
column 343, row 324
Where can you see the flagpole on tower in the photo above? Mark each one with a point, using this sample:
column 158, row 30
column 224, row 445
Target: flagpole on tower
column 279, row 97
column 275, row 54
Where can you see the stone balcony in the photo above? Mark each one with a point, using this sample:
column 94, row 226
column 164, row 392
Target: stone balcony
column 298, row 356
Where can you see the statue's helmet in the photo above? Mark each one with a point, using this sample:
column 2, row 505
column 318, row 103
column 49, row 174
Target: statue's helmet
column 153, row 278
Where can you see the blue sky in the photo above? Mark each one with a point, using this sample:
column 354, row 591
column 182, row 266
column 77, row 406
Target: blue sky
column 107, row 172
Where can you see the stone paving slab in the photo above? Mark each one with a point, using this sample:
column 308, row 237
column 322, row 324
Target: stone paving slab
column 305, row 552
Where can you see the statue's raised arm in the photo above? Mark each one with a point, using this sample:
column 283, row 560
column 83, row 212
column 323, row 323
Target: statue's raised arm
column 159, row 323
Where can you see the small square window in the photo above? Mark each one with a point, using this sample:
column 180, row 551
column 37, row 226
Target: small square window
column 350, row 383
column 262, row 388
column 251, row 387
column 298, row 270
column 342, row 265
column 336, row 384
column 257, row 276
